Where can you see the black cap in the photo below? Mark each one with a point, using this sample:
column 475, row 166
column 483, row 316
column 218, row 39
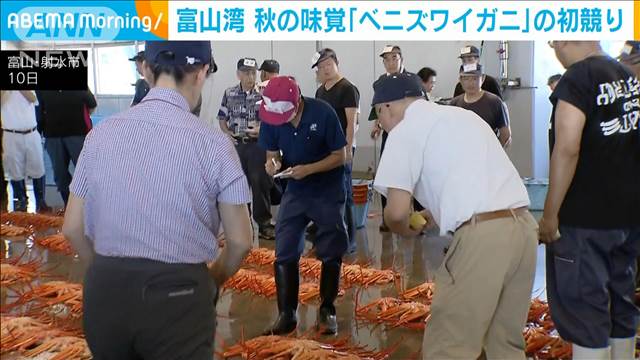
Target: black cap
column 138, row 57
column 469, row 50
column 395, row 87
column 630, row 51
column 390, row 49
column 471, row 69
column 323, row 55
column 271, row 66
column 247, row 64
column 180, row 53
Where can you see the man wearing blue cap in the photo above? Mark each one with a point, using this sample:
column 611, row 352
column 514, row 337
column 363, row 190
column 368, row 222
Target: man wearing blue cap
column 484, row 284
column 152, row 187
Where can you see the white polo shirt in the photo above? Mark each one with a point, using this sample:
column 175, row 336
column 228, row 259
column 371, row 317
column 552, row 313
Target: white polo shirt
column 451, row 162
column 17, row 112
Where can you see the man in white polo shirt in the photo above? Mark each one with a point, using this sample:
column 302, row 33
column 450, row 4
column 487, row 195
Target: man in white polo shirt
column 450, row 161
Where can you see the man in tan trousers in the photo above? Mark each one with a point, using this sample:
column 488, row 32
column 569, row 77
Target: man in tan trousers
column 452, row 163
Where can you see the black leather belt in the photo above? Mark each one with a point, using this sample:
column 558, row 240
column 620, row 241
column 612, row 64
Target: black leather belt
column 246, row 140
column 23, row 132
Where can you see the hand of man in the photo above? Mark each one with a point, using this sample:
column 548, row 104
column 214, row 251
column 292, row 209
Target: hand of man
column 375, row 131
column 548, row 229
column 272, row 167
column 431, row 222
column 300, row 172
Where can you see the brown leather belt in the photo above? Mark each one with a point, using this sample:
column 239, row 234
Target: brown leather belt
column 492, row 215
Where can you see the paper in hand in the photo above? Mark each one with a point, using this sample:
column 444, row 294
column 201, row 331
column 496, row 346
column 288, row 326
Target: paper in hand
column 283, row 174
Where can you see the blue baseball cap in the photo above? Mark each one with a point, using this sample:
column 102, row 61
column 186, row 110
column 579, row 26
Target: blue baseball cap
column 395, row 87
column 179, row 53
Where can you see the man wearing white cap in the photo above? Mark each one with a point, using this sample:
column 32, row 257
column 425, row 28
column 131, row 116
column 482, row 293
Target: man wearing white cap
column 392, row 60
column 471, row 55
column 308, row 134
column 487, row 105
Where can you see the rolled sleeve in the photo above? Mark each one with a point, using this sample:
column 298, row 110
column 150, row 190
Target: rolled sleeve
column 231, row 181
column 235, row 192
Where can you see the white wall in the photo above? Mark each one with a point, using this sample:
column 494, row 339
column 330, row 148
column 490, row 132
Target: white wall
column 360, row 63
column 546, row 65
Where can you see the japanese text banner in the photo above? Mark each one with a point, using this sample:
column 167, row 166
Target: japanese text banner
column 407, row 20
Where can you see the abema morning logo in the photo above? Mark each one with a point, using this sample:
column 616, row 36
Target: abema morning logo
column 73, row 23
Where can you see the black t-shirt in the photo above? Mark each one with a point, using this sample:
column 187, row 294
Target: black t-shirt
column 342, row 95
column 63, row 112
column 605, row 190
column 490, row 84
column 489, row 107
column 142, row 88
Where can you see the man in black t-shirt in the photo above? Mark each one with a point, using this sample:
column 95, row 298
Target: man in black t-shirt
column 65, row 122
column 485, row 104
column 630, row 56
column 591, row 221
column 344, row 98
column 471, row 55
column 141, row 85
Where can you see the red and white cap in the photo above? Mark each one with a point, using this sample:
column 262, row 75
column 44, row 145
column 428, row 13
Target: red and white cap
column 279, row 100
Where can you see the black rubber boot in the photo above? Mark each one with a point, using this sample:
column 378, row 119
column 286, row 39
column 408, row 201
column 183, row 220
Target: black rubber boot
column 19, row 195
column 39, row 191
column 287, row 284
column 329, row 287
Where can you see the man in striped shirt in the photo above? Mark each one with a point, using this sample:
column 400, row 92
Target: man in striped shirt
column 152, row 186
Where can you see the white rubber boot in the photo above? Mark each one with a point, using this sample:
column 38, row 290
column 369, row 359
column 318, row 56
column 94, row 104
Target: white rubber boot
column 623, row 349
column 583, row 353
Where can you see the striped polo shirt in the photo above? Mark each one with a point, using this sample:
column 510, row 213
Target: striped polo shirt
column 151, row 178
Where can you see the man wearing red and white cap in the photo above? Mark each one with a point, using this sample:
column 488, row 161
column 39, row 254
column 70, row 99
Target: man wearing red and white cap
column 308, row 134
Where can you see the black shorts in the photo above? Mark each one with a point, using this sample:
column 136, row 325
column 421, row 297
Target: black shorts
column 144, row 309
column 591, row 283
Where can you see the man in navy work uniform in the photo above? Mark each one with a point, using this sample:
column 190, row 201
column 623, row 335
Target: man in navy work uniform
column 591, row 219
column 148, row 292
column 308, row 133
